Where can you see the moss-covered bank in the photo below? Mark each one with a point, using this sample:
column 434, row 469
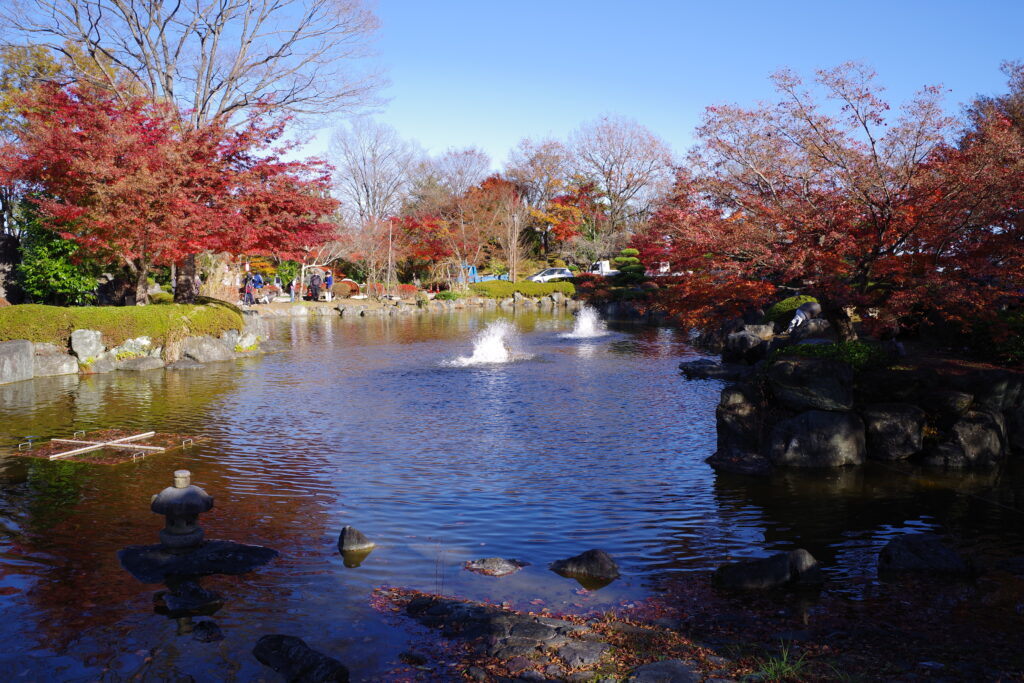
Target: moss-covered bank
column 163, row 324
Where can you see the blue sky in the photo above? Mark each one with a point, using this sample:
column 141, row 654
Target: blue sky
column 487, row 74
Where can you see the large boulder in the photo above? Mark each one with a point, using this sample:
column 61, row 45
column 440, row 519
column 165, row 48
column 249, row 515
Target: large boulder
column 206, row 350
column 795, row 567
column 921, row 553
column 765, row 332
column 296, row 661
column 87, row 344
column 947, row 405
column 894, row 430
column 812, row 383
column 744, row 347
column 978, row 439
column 592, row 563
column 140, row 364
column 351, row 539
column 739, row 418
column 17, row 361
column 818, row 439
column 51, row 361
column 815, row 328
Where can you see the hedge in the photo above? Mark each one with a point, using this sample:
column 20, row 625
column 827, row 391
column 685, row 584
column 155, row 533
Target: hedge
column 500, row 289
column 782, row 311
column 162, row 323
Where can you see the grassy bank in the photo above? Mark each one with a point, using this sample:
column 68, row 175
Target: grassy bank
column 164, row 323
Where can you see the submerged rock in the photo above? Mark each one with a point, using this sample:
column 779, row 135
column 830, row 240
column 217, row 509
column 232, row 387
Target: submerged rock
column 351, row 539
column 924, row 553
column 296, row 661
column 704, row 368
column 794, row 567
column 153, row 563
column 495, row 566
column 594, row 564
column 668, row 671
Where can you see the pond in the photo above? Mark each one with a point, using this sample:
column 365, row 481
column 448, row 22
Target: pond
column 575, row 443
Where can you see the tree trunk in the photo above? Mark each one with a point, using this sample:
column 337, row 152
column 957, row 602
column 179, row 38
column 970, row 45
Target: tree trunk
column 840, row 321
column 142, row 284
column 186, row 285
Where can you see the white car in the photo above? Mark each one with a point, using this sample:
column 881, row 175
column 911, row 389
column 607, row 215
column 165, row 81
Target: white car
column 550, row 274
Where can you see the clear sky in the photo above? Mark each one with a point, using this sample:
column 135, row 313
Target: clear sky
column 487, row 74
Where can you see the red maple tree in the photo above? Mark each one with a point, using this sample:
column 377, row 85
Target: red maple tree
column 126, row 182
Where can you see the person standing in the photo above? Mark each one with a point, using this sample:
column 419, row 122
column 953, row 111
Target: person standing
column 314, row 286
column 291, row 288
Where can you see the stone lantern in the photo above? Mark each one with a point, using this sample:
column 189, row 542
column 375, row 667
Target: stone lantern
column 182, row 505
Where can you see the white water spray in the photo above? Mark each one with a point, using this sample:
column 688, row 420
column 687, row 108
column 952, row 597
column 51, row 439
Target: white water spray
column 588, row 325
column 494, row 344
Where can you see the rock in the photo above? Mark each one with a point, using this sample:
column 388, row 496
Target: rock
column 477, row 674
column 17, row 361
column 298, row 310
column 101, row 365
column 744, row 347
column 704, row 368
column 494, row 566
column 207, row 631
column 812, row 383
column 253, row 323
column 592, row 563
column 185, row 599
column 738, row 419
column 797, row 566
column 351, row 539
column 153, row 563
column 186, row 364
column 894, row 431
column 947, row 405
column 815, row 328
column 582, row 653
column 765, row 332
column 296, row 661
column 206, row 350
column 139, row 364
column 50, row 361
column 924, row 553
column 978, row 439
column 818, row 439
column 132, row 348
column 230, row 338
column 87, row 344
column 248, row 341
column 667, row 671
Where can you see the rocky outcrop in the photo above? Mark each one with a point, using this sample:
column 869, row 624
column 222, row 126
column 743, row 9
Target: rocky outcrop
column 797, row 567
column 978, row 439
column 705, row 368
column 206, row 350
column 921, row 553
column 594, row 563
column 740, row 422
column 818, row 439
column 51, row 361
column 87, row 345
column 494, row 566
column 351, row 539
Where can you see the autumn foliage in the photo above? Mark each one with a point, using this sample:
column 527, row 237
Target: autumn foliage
column 894, row 219
column 122, row 178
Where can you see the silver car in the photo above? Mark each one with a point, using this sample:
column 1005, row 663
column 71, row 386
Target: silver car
column 550, row 274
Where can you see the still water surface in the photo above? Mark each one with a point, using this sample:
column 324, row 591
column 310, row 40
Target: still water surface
column 579, row 443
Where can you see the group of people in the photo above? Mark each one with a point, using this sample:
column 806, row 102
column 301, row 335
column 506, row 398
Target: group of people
column 256, row 290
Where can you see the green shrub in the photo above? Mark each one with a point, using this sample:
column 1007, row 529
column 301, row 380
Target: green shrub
column 782, row 311
column 163, row 324
column 161, row 298
column 631, row 270
column 500, row 289
column 51, row 271
column 447, row 295
column 858, row 355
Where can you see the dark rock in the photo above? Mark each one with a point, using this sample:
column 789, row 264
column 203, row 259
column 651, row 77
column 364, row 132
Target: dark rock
column 750, row 464
column 593, row 563
column 739, row 419
column 206, row 350
column 894, row 430
column 582, row 653
column 351, row 539
column 797, row 566
column 812, row 383
column 815, row 328
column 207, row 631
column 978, row 439
column 704, row 368
column 667, row 671
column 925, row 553
column 16, row 361
column 186, row 598
column 477, row 674
column 947, row 405
column 818, row 439
column 744, row 347
column 765, row 332
column 153, row 563
column 994, row 389
column 495, row 566
column 296, row 661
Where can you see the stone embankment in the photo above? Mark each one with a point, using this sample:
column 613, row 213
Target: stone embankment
column 88, row 353
column 369, row 308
